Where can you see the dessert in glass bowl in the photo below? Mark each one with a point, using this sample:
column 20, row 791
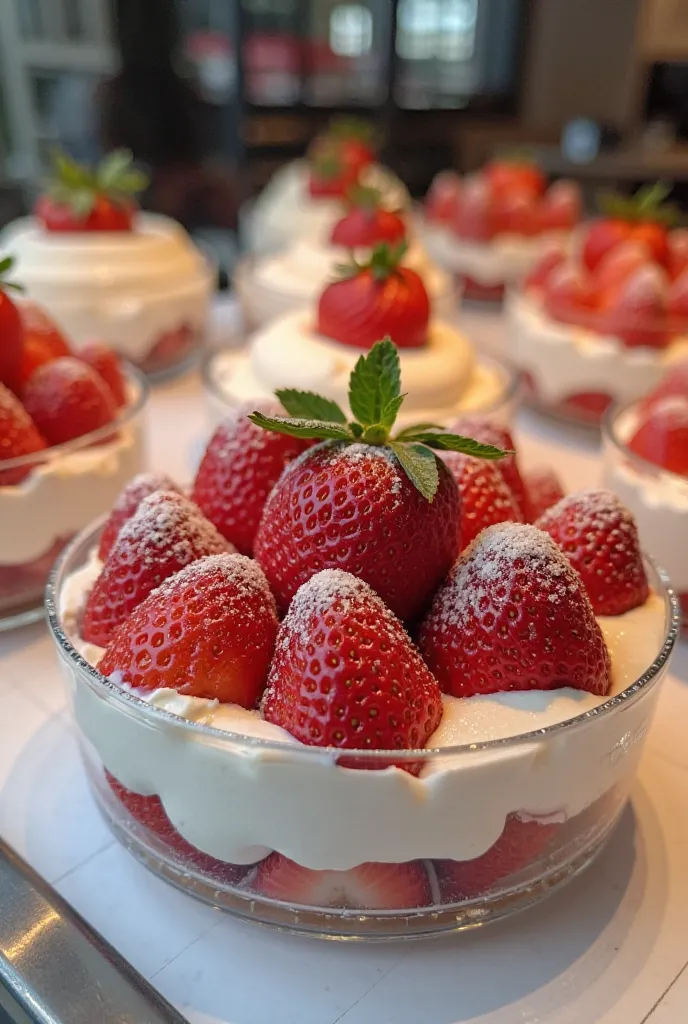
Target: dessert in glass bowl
column 604, row 322
column 104, row 270
column 270, row 285
column 491, row 227
column 646, row 463
column 303, row 198
column 264, row 733
column 70, row 437
column 316, row 348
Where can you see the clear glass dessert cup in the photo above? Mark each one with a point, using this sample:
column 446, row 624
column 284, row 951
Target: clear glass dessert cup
column 392, row 845
column 657, row 498
column 48, row 496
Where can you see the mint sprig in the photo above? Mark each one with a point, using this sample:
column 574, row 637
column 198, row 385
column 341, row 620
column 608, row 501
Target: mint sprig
column 375, row 399
column 647, row 205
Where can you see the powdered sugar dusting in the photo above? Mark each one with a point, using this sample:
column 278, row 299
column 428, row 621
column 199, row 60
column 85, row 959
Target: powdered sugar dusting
column 141, row 486
column 237, row 572
column 168, row 522
column 601, row 510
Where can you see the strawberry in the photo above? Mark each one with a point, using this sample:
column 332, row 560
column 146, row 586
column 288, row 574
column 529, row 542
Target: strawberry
column 569, row 297
column 18, row 437
column 561, row 206
column 207, row 631
column 600, row 238
column 617, row 266
column 241, row 465
column 599, row 537
column 539, row 276
column 513, row 614
column 643, row 218
column 444, row 198
column 105, row 362
column 677, row 260
column 149, row 812
column 166, row 533
column 346, row 674
column 11, row 331
column 677, row 301
column 543, row 489
column 67, row 399
column 673, row 383
column 91, row 199
column 489, row 432
column 654, row 238
column 368, row 886
column 515, row 213
column 376, row 298
column 383, row 508
column 515, row 175
column 636, row 313
column 330, row 177
column 354, row 140
column 662, row 437
column 367, row 223
column 43, row 341
column 485, row 497
column 127, row 503
column 473, row 219
column 521, row 843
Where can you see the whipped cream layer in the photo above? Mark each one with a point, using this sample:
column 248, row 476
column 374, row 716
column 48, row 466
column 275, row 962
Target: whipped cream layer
column 279, row 283
column 565, row 360
column 285, row 210
column 441, row 379
column 255, row 789
column 657, row 498
column 124, row 288
column 506, row 259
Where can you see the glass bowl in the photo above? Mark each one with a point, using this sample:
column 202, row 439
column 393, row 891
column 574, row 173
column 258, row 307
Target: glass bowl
column 577, row 371
column 396, row 844
column 54, row 493
column 657, row 498
column 500, row 404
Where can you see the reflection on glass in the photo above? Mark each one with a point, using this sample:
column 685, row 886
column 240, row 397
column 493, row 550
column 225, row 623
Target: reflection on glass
column 351, row 30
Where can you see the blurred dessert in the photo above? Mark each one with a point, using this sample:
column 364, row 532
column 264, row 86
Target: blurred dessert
column 604, row 322
column 490, row 228
column 104, row 270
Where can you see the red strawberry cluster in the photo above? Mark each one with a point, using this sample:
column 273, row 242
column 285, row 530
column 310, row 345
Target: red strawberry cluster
column 81, row 198
column 358, row 543
column 338, row 157
column 47, row 395
column 367, row 223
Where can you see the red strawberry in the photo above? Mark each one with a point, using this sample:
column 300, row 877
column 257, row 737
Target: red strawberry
column 561, row 206
column 443, row 198
column 599, row 537
column 473, row 219
column 678, row 300
column 241, row 465
column 569, row 296
column 515, row 175
column 544, row 268
column 521, row 843
column 654, row 238
column 11, row 332
column 166, row 533
column 67, row 399
column 516, row 213
column 353, row 139
column 369, row 886
column 485, row 497
column 330, row 176
column 673, row 383
column 345, row 673
column 662, row 437
column 677, row 260
column 85, row 199
column 207, row 631
column 513, row 614
column 488, row 432
column 36, row 351
column 601, row 237
column 367, row 223
column 149, row 812
column 617, row 266
column 18, row 437
column 543, row 489
column 353, row 507
column 637, row 312
column 127, row 503
column 374, row 299
column 107, row 363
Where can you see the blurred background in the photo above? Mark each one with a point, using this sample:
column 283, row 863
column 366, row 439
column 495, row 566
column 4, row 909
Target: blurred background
column 213, row 95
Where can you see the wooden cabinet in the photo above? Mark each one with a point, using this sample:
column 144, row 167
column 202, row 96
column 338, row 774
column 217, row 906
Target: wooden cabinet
column 664, row 30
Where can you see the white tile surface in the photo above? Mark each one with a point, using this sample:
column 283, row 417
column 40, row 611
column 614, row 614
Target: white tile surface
column 608, row 950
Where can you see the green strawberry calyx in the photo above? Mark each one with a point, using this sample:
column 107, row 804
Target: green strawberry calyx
column 6, row 267
column 342, row 128
column 384, row 260
column 375, row 399
column 648, row 205
column 77, row 186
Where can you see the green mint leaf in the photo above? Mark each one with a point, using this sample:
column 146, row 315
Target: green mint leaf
column 69, row 172
column 356, row 429
column 111, row 169
column 420, row 465
column 301, row 427
column 390, row 411
column 81, row 201
column 456, row 443
column 417, row 428
column 6, row 264
column 375, row 382
column 132, row 181
column 309, row 406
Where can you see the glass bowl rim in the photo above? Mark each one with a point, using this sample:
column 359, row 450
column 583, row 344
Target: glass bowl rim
column 511, row 375
column 610, row 419
column 158, row 717
column 125, row 416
